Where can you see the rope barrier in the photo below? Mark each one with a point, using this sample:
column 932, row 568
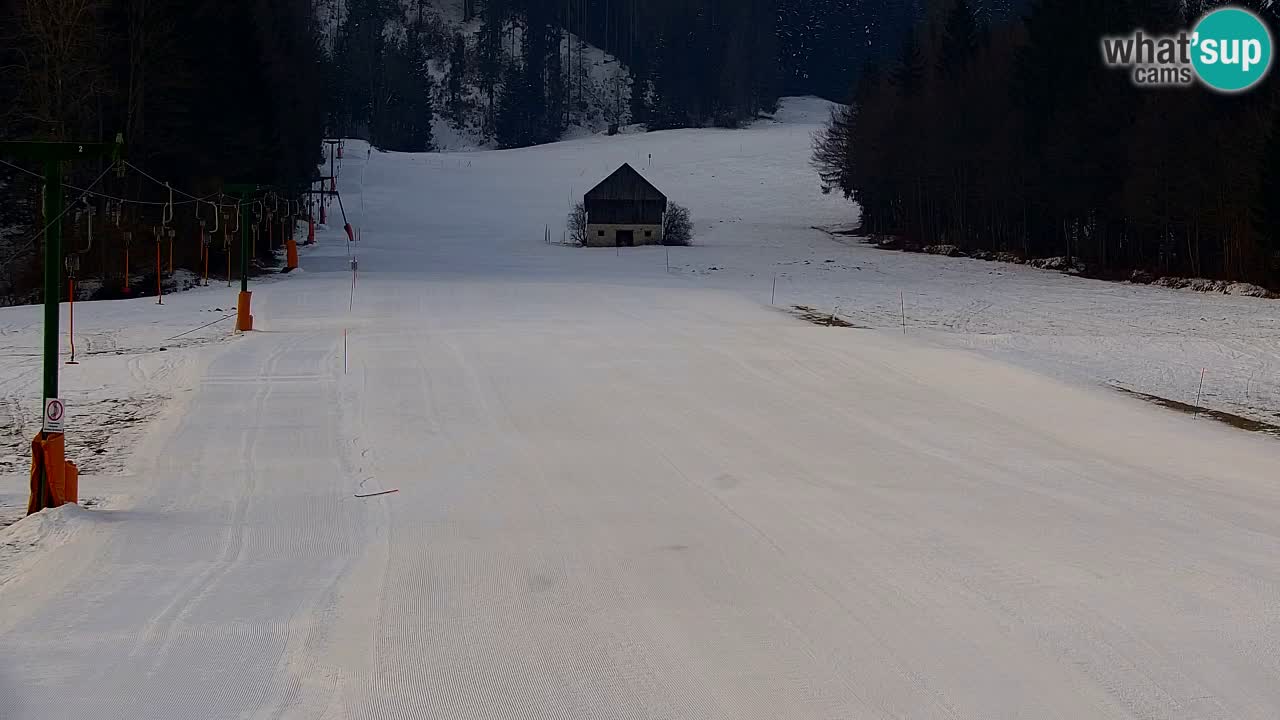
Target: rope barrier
column 377, row 494
column 215, row 322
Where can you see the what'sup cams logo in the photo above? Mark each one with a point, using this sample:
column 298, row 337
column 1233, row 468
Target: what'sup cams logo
column 1229, row 51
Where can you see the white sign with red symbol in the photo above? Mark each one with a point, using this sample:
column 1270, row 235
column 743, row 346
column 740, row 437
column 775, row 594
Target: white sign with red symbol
column 55, row 415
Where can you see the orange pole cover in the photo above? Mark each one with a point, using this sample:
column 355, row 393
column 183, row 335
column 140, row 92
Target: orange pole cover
column 71, row 483
column 244, row 318
column 48, row 473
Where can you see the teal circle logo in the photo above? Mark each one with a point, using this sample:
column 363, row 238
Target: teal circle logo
column 1231, row 50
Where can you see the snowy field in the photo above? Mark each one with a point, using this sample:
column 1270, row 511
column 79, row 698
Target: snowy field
column 134, row 358
column 632, row 491
column 757, row 205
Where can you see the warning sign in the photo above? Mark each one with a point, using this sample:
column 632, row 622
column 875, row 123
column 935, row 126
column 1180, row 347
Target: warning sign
column 55, row 415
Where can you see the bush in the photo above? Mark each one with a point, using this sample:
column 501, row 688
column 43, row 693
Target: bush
column 677, row 226
column 578, row 225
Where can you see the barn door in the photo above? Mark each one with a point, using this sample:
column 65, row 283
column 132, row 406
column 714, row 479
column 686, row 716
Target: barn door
column 626, row 238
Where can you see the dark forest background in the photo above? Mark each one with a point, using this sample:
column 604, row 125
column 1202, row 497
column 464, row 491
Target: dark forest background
column 1012, row 137
column 692, row 62
column 987, row 125
column 204, row 92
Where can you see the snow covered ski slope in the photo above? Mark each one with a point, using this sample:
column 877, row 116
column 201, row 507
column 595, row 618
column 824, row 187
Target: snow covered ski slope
column 626, row 492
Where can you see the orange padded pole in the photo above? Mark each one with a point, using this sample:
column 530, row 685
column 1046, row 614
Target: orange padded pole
column 244, row 318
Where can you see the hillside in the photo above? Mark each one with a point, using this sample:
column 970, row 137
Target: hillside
column 464, row 101
column 495, row 477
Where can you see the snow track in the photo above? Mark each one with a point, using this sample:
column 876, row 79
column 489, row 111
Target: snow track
column 629, row 493
column 258, row 493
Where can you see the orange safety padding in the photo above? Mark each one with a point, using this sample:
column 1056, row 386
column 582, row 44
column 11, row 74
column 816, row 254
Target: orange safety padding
column 71, row 482
column 244, row 320
column 291, row 253
column 48, row 472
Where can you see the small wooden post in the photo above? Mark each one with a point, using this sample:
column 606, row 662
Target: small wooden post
column 1201, row 388
column 903, row 301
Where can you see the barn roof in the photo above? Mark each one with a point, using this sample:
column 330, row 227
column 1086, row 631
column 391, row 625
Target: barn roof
column 625, row 184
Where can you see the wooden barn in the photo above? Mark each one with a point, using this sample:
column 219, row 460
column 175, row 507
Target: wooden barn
column 624, row 210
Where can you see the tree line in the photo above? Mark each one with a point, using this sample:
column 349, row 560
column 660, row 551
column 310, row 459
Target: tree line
column 384, row 90
column 204, row 93
column 378, row 86
column 1014, row 137
column 689, row 63
column 823, row 45
column 692, row 62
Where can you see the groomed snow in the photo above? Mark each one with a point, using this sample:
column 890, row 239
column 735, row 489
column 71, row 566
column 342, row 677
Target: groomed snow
column 632, row 492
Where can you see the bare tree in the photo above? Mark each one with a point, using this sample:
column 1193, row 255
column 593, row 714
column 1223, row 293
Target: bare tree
column 578, row 224
column 151, row 40
column 58, row 60
column 677, row 226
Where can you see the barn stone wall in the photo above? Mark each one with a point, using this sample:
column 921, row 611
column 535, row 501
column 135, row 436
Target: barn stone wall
column 601, row 235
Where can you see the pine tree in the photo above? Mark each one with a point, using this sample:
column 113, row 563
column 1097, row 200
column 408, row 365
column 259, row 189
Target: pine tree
column 490, row 63
column 514, row 121
column 557, row 102
column 1266, row 205
column 538, row 48
column 457, row 76
column 359, row 59
column 658, row 91
column 908, row 76
column 1023, row 141
column 959, row 39
column 641, row 79
column 417, row 112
